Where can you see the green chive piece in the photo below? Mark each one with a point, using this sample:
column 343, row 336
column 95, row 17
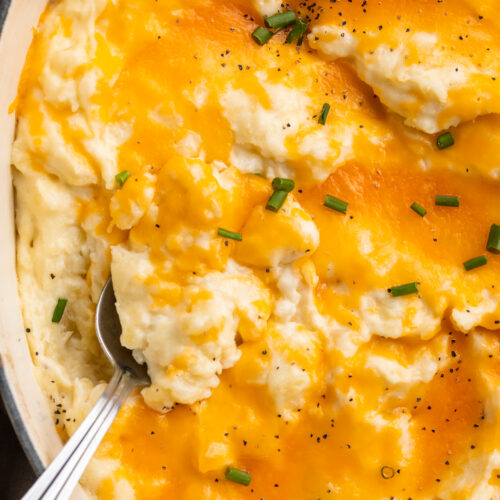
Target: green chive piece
column 276, row 200
column 445, row 140
column 324, row 114
column 59, row 310
column 493, row 244
column 475, row 262
column 407, row 289
column 335, row 204
column 280, row 20
column 298, row 31
column 122, row 177
column 447, row 201
column 387, row 472
column 229, row 234
column 419, row 209
column 238, row 476
column 261, row 35
column 281, row 184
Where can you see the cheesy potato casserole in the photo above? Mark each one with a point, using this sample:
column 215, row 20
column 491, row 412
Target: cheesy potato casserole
column 299, row 205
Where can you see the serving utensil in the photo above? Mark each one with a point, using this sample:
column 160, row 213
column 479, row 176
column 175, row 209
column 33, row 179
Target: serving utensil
column 62, row 475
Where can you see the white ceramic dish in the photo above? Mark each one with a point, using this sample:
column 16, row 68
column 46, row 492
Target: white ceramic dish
column 21, row 394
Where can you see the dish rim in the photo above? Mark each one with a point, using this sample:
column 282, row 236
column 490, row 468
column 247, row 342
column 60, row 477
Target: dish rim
column 6, row 392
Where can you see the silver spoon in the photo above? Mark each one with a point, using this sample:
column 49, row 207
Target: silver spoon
column 62, row 475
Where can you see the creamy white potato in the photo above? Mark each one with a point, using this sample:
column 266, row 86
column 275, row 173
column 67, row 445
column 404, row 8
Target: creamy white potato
column 278, row 341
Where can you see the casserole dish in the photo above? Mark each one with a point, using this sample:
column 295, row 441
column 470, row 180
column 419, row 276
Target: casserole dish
column 325, row 256
column 21, row 394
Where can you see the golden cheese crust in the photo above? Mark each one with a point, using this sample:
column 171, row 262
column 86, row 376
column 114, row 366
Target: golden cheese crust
column 145, row 127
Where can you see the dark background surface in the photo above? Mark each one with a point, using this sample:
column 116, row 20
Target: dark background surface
column 16, row 474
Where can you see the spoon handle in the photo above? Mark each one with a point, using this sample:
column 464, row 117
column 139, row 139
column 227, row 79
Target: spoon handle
column 62, row 475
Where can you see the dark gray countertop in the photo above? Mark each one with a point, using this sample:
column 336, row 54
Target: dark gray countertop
column 16, row 474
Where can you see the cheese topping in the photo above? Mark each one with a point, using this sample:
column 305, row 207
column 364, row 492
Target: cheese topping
column 435, row 66
column 326, row 348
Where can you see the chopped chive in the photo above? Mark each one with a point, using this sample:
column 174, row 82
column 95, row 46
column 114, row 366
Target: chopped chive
column 445, row 140
column 407, row 289
column 280, row 20
column 493, row 244
column 59, row 310
column 335, row 204
column 281, row 184
column 387, row 472
column 419, row 209
column 260, row 174
column 122, row 177
column 238, row 476
column 475, row 262
column 229, row 234
column 324, row 114
column 298, row 31
column 261, row 35
column 447, row 201
column 276, row 200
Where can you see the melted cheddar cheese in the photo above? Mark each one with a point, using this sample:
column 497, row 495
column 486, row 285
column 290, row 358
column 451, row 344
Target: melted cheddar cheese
column 284, row 354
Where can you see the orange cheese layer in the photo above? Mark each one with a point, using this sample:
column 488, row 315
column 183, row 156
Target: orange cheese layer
column 327, row 453
column 164, row 72
column 429, row 250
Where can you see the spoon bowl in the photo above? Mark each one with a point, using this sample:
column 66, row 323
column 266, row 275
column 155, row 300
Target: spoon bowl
column 109, row 330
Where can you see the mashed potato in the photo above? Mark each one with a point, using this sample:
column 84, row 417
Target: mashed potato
column 330, row 351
